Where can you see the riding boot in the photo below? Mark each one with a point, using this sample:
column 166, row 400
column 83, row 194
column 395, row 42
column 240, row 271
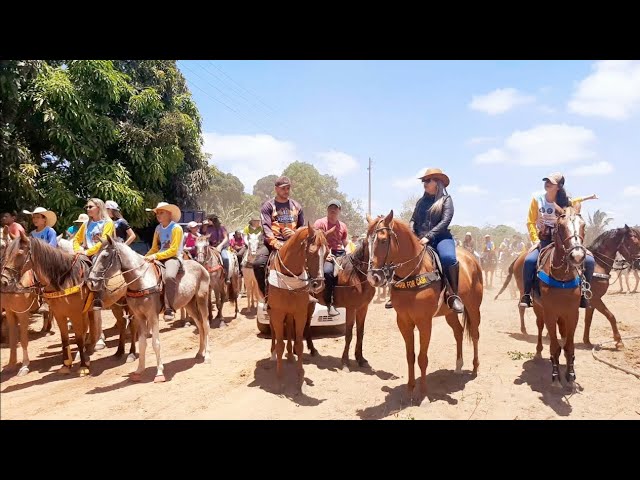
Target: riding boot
column 453, row 300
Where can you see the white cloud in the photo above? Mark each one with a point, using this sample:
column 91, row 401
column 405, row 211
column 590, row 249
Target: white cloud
column 543, row 145
column 407, row 182
column 631, row 191
column 249, row 157
column 338, row 163
column 510, row 201
column 611, row 91
column 499, row 101
column 472, row 190
column 479, row 140
column 599, row 168
column 547, row 109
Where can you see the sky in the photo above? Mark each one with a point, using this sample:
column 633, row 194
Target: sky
column 495, row 127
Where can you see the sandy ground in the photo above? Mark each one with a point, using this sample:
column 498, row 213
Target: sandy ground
column 240, row 382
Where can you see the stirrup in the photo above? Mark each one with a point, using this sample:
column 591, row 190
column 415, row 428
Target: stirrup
column 168, row 314
column 456, row 307
column 388, row 304
column 525, row 301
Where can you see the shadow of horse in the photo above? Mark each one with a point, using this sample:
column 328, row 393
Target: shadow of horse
column 535, row 373
column 265, row 378
column 440, row 385
column 334, row 364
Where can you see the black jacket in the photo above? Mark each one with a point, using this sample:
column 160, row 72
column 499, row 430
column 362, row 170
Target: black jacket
column 434, row 227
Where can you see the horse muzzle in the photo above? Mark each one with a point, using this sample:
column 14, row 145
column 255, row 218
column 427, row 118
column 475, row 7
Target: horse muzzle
column 577, row 255
column 316, row 285
column 95, row 285
column 376, row 279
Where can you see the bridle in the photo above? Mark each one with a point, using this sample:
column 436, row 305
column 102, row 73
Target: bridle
column 308, row 278
column 575, row 237
column 94, row 276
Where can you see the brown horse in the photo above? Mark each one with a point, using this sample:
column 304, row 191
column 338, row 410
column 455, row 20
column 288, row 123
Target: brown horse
column 398, row 257
column 62, row 276
column 626, row 241
column 354, row 293
column 296, row 269
column 210, row 258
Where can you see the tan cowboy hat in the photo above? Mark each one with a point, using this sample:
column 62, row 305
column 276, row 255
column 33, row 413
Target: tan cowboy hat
column 169, row 207
column 48, row 214
column 435, row 173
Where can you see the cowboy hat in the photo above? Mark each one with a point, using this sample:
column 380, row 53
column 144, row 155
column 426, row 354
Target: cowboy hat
column 169, row 207
column 468, row 233
column 435, row 173
column 83, row 217
column 48, row 214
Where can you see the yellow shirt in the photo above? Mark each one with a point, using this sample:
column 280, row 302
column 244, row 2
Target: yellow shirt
column 172, row 250
column 80, row 240
column 351, row 247
column 532, row 219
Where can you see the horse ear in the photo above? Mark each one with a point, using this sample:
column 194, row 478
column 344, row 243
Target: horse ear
column 59, row 237
column 312, row 232
column 626, row 228
column 110, row 240
column 23, row 237
column 369, row 219
column 388, row 218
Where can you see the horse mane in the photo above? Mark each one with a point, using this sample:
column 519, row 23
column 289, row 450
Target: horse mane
column 53, row 263
column 348, row 264
column 603, row 238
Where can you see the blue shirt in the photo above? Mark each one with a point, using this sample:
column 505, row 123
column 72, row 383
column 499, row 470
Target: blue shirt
column 47, row 234
column 94, row 232
column 164, row 235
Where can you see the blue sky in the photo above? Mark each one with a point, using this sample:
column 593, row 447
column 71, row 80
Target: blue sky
column 495, row 127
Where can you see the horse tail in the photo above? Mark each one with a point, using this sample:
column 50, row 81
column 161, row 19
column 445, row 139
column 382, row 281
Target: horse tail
column 466, row 325
column 507, row 280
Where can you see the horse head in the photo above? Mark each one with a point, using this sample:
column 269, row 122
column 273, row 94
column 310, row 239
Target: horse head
column 106, row 265
column 569, row 235
column 16, row 256
column 253, row 243
column 306, row 252
column 202, row 243
column 380, row 234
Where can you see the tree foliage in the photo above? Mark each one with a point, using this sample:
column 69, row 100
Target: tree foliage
column 596, row 225
column 121, row 130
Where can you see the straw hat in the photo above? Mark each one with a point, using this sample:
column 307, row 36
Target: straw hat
column 435, row 173
column 48, row 214
column 169, row 207
column 83, row 217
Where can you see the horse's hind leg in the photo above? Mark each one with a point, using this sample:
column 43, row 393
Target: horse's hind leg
column 80, row 327
column 67, row 358
column 156, row 348
column 423, row 359
column 121, row 323
column 133, row 330
column 454, row 323
column 602, row 308
column 142, row 324
column 348, row 335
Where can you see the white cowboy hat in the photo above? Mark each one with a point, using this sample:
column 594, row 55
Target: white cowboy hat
column 48, row 214
column 83, row 217
column 169, row 207
column 468, row 233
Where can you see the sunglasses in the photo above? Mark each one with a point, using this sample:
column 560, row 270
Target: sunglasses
column 427, row 181
column 89, row 207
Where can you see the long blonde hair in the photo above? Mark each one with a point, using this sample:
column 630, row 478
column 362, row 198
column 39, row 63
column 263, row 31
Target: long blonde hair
column 441, row 195
column 104, row 215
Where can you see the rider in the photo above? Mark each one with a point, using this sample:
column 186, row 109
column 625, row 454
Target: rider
column 124, row 231
column 468, row 243
column 73, row 229
column 44, row 220
column 252, row 227
column 190, row 238
column 88, row 240
column 337, row 240
column 281, row 216
column 238, row 245
column 541, row 221
column 489, row 246
column 219, row 239
column 9, row 220
column 167, row 248
column 430, row 222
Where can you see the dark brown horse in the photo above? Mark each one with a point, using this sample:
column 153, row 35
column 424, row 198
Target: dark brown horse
column 354, row 293
column 295, row 270
column 417, row 290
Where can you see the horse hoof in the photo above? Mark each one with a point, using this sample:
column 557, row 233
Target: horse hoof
column 538, row 356
column 64, row 370
column 84, row 371
column 130, row 358
column 273, row 357
column 523, row 331
column 100, row 345
column 207, row 360
column 159, row 379
column 186, row 324
column 345, row 367
column 459, row 364
column 23, row 371
column 556, row 383
column 363, row 363
column 314, row 352
column 135, row 377
column 620, row 345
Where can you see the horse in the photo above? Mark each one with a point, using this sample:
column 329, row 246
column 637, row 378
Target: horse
column 211, row 260
column 488, row 263
column 354, row 293
column 626, row 241
column 62, row 277
column 417, row 294
column 626, row 270
column 144, row 284
column 235, row 284
column 291, row 278
column 250, row 284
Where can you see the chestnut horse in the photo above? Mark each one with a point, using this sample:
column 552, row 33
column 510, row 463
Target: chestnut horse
column 295, row 270
column 397, row 257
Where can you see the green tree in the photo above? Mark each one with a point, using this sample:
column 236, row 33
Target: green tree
column 120, row 130
column 408, row 206
column 596, row 225
column 264, row 188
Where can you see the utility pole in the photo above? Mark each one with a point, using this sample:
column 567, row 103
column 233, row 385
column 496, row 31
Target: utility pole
column 369, row 185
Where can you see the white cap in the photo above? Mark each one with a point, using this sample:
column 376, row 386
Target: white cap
column 111, row 205
column 193, row 224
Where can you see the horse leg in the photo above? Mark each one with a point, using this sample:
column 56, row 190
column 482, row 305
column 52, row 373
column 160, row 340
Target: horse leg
column 67, row 358
column 540, row 324
column 350, row 320
column 290, row 329
column 122, row 329
column 80, row 326
column 24, row 342
column 602, row 308
column 159, row 378
column 299, row 321
column 142, row 323
column 307, row 331
column 361, row 315
column 47, row 324
column 133, row 330
column 12, row 321
column 523, row 328
column 423, row 359
column 277, row 332
column 454, row 323
column 569, row 347
column 550, row 321
column 95, row 328
column 473, row 325
column 406, row 329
